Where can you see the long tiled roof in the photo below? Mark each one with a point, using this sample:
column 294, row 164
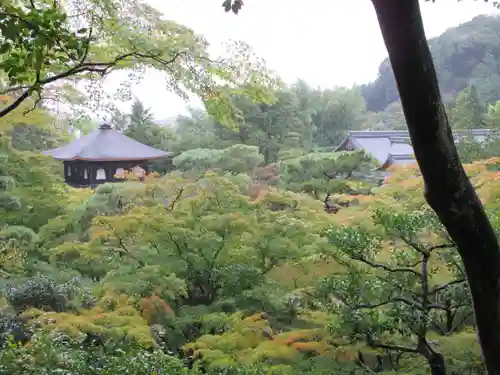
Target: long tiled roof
column 393, row 147
column 106, row 144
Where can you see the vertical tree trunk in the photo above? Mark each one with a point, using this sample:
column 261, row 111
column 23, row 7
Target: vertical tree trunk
column 447, row 188
column 437, row 365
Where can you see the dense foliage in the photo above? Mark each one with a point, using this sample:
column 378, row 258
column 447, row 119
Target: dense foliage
column 254, row 250
column 224, row 266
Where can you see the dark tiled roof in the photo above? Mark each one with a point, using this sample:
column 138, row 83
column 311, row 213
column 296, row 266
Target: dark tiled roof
column 393, row 147
column 106, row 144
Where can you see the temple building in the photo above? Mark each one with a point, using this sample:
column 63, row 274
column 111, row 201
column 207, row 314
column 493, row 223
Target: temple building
column 103, row 156
column 394, row 147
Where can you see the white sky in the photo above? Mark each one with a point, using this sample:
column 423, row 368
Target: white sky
column 324, row 42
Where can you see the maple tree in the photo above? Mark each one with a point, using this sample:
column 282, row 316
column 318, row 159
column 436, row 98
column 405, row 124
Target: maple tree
column 448, row 189
column 43, row 45
column 237, row 159
column 407, row 299
column 205, row 251
column 201, row 269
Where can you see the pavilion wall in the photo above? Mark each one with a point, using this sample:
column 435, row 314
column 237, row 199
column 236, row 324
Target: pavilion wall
column 83, row 173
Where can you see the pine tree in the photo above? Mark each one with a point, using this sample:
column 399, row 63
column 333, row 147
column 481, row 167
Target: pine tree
column 493, row 116
column 140, row 116
column 468, row 112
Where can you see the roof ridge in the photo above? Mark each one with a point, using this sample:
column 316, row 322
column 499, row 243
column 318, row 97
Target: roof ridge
column 389, row 133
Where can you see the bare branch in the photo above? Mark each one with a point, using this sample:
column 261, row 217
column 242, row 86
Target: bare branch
column 123, row 250
column 102, row 68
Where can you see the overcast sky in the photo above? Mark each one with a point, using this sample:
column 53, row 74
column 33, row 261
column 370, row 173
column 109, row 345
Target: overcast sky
column 324, row 42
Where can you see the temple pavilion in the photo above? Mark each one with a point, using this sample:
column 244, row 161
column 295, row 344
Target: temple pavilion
column 391, row 147
column 103, row 156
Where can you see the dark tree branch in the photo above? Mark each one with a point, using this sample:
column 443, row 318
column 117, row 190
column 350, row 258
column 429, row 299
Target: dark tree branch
column 424, row 283
column 387, row 268
column 16, row 103
column 178, row 248
column 442, row 246
column 438, row 306
column 360, row 361
column 176, row 199
column 398, row 348
column 446, row 286
column 218, row 250
column 101, row 68
column 124, row 250
column 413, row 245
column 438, row 328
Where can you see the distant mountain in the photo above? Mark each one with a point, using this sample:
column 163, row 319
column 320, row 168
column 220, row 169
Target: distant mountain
column 463, row 55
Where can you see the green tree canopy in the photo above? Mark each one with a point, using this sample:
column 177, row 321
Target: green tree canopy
column 468, row 112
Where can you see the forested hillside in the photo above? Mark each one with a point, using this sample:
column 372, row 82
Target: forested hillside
column 465, row 55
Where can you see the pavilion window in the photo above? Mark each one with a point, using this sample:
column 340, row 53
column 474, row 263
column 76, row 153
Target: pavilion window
column 85, row 174
column 120, row 173
column 69, row 171
column 101, row 174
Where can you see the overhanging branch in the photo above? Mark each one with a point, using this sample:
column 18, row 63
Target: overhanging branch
column 101, row 68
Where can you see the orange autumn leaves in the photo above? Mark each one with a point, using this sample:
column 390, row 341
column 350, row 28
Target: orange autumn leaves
column 154, row 308
column 404, row 190
column 252, row 340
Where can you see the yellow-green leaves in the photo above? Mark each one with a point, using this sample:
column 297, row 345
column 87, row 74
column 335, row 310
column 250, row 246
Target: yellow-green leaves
column 33, row 38
column 43, row 44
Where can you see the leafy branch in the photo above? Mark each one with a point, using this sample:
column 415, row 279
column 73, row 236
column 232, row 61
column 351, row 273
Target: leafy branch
column 101, row 68
column 408, row 303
